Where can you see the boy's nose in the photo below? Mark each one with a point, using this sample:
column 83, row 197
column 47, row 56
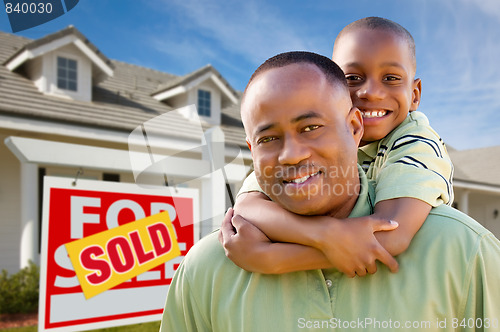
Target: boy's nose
column 293, row 152
column 371, row 90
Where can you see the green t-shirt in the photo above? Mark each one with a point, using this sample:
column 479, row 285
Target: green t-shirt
column 449, row 273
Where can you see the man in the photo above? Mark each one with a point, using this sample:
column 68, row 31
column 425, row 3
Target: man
column 300, row 124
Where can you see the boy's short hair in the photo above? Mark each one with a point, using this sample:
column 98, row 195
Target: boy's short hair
column 328, row 67
column 380, row 23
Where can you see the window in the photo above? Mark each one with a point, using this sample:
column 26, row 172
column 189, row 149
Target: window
column 204, row 103
column 111, row 177
column 66, row 74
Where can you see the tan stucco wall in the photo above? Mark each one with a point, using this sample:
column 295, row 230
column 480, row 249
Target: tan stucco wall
column 10, row 228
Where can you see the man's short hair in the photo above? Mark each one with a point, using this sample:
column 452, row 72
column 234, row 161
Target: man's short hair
column 330, row 69
column 380, row 23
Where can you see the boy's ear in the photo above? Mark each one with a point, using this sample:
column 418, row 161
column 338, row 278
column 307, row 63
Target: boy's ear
column 417, row 93
column 355, row 119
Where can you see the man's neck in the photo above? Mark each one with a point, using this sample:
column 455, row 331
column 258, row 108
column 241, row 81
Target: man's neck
column 344, row 210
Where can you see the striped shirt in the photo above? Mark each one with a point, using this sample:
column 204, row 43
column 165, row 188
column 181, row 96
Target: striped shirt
column 411, row 161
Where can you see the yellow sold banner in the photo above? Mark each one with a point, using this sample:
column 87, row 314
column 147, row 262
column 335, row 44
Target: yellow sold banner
column 109, row 258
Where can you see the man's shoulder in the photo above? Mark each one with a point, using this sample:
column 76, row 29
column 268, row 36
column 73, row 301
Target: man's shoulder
column 451, row 241
column 206, row 266
column 205, row 258
column 205, row 251
column 452, row 223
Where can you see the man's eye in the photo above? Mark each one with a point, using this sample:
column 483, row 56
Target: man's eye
column 311, row 128
column 266, row 139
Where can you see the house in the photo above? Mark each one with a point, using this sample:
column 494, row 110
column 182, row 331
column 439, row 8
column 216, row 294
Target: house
column 476, row 182
column 67, row 110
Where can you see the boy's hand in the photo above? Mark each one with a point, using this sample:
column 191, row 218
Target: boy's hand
column 249, row 248
column 350, row 245
column 245, row 244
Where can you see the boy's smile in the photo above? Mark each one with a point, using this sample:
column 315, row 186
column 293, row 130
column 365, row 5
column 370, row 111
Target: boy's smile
column 380, row 71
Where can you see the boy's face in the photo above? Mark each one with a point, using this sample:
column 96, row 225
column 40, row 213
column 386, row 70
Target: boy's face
column 303, row 135
column 380, row 73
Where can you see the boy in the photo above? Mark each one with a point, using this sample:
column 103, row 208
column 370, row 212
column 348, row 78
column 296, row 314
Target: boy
column 399, row 151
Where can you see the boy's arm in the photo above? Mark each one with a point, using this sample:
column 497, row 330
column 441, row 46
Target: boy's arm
column 410, row 213
column 412, row 175
column 252, row 250
column 350, row 245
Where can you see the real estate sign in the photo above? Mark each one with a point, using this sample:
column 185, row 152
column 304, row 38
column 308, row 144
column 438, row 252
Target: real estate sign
column 116, row 229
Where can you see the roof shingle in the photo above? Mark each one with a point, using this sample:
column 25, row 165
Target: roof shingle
column 121, row 102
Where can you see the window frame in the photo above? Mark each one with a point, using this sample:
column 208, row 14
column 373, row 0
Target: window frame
column 202, row 108
column 66, row 79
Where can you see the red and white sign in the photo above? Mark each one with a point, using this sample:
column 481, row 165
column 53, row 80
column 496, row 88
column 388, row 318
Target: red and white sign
column 90, row 207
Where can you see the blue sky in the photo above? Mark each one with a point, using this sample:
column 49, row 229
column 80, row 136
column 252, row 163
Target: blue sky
column 458, row 45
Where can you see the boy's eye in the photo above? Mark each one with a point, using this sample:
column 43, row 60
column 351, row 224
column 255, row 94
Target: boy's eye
column 392, row 78
column 311, row 128
column 353, row 77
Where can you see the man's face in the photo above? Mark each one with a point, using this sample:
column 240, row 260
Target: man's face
column 303, row 136
column 380, row 73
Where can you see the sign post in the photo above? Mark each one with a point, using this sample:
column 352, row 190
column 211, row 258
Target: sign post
column 91, row 208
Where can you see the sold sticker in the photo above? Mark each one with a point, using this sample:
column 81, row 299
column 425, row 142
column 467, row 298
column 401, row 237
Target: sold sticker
column 109, row 258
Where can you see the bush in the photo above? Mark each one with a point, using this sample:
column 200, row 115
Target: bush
column 19, row 292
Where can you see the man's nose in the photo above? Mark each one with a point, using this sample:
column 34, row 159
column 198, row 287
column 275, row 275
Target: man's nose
column 293, row 151
column 371, row 90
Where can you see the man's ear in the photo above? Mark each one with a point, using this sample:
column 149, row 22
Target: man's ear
column 249, row 145
column 355, row 119
column 417, row 92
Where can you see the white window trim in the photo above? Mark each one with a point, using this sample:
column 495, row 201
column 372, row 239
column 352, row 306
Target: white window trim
column 211, row 102
column 214, row 112
column 66, row 79
column 79, row 84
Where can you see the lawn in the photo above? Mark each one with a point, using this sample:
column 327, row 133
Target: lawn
column 145, row 327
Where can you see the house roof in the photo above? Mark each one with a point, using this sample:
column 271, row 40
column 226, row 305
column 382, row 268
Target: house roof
column 184, row 83
column 120, row 102
column 125, row 100
column 477, row 165
column 181, row 80
column 69, row 35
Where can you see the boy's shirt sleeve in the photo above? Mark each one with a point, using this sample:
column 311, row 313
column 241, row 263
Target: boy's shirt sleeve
column 412, row 161
column 250, row 184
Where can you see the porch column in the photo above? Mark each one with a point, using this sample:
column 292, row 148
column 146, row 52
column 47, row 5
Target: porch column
column 29, row 214
column 464, row 202
column 213, row 189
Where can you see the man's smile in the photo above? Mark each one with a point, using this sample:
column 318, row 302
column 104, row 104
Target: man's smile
column 300, row 180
